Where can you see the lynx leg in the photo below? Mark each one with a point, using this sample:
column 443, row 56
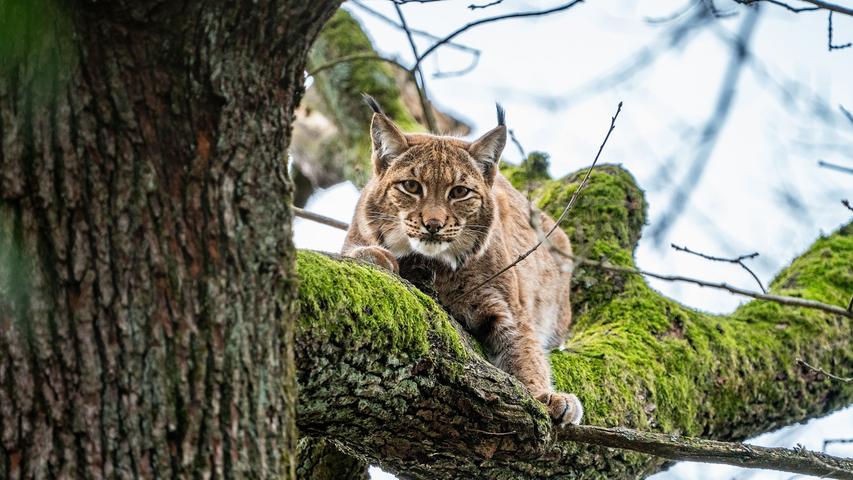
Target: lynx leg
column 375, row 255
column 516, row 350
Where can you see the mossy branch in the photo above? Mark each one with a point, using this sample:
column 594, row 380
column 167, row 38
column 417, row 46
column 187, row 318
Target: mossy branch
column 387, row 373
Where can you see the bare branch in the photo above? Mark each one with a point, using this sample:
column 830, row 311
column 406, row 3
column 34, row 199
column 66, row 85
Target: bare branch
column 780, row 4
column 418, row 73
column 846, row 113
column 835, row 166
column 517, row 145
column 464, row 28
column 737, row 261
column 485, row 5
column 829, row 43
column 818, row 5
column 356, row 58
column 316, row 217
column 823, row 372
column 846, row 203
column 559, row 219
column 475, row 53
column 833, row 441
column 673, row 447
column 780, row 299
column 422, row 33
column 831, row 7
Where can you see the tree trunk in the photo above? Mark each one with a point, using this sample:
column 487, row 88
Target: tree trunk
column 146, row 266
column 384, row 371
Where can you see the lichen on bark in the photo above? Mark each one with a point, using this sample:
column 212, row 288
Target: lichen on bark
column 635, row 358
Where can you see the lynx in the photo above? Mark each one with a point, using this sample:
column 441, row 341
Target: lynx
column 442, row 199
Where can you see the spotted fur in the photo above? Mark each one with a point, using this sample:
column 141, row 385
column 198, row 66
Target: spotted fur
column 442, row 199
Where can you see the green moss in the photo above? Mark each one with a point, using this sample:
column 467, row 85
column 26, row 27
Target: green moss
column 340, row 300
column 643, row 360
column 37, row 35
column 532, row 172
column 610, row 208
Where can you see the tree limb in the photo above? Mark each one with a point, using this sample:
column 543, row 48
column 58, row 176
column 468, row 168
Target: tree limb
column 385, row 372
column 796, row 460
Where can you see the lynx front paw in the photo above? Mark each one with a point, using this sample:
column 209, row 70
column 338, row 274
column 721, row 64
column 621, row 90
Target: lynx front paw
column 377, row 256
column 564, row 408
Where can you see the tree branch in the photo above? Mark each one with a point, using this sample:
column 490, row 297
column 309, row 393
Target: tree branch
column 833, row 166
column 824, row 372
column 672, row 447
column 737, row 261
column 831, row 7
column 418, row 74
column 780, row 299
column 322, row 219
column 355, row 58
column 482, row 21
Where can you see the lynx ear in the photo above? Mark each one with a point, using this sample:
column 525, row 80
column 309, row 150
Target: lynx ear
column 389, row 141
column 487, row 149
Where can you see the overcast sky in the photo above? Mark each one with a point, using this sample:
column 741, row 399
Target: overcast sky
column 761, row 190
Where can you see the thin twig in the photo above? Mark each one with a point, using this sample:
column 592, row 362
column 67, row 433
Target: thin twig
column 831, row 7
column 780, row 4
column 834, row 166
column 832, row 441
column 475, row 53
column 846, row 113
column 846, row 203
column 322, row 219
column 780, row 299
column 559, row 219
column 474, row 6
column 829, row 36
column 464, row 28
column 737, row 261
column 356, row 58
column 673, row 447
column 422, row 33
column 418, row 74
column 517, row 145
column 823, row 372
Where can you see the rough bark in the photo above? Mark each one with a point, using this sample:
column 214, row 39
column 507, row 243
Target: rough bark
column 324, row 460
column 146, row 266
column 385, row 372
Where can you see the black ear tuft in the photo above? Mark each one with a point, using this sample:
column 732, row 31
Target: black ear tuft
column 372, row 103
column 501, row 114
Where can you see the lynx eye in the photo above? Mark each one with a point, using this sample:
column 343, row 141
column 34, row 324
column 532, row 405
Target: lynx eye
column 411, row 186
column 458, row 192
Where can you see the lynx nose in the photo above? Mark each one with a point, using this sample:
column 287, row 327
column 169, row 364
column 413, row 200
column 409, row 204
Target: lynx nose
column 433, row 225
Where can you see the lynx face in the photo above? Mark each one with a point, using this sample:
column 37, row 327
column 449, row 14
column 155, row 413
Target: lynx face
column 432, row 195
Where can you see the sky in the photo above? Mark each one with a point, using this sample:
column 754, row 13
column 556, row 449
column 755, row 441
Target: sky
column 761, row 190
